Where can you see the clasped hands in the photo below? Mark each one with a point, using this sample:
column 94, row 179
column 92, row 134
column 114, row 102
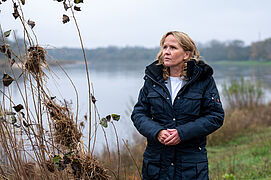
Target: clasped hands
column 169, row 137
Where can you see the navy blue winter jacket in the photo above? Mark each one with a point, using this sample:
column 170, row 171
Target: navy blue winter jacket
column 195, row 113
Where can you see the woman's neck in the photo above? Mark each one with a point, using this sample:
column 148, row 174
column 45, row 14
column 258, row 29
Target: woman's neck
column 176, row 71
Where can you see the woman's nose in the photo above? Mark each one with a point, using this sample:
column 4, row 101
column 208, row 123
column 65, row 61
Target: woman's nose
column 167, row 51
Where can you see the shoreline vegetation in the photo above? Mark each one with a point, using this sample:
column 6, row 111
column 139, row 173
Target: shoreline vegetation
column 243, row 63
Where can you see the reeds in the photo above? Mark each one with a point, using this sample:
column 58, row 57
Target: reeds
column 40, row 138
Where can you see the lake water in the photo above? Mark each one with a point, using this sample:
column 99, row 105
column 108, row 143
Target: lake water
column 116, row 89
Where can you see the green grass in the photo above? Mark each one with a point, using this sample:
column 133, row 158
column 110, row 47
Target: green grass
column 246, row 157
column 242, row 63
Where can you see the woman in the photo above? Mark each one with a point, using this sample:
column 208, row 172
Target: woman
column 177, row 108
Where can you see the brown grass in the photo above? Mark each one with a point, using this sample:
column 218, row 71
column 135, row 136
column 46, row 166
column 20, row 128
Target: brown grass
column 239, row 121
column 35, row 59
column 66, row 132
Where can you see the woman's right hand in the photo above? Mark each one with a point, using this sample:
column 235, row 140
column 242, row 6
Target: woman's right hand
column 162, row 135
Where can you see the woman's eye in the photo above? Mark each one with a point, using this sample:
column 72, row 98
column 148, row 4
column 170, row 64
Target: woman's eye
column 165, row 47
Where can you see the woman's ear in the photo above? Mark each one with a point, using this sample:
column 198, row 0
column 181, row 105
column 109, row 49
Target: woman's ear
column 187, row 55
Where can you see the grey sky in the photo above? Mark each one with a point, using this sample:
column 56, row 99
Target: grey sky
column 143, row 22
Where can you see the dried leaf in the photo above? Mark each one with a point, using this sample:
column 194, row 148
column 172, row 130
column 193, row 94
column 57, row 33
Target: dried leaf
column 115, row 117
column 18, row 107
column 93, row 99
column 7, row 33
column 31, row 23
column 7, row 80
column 15, row 6
column 66, row 7
column 3, row 49
column 65, row 19
column 103, row 122
column 78, row 1
column 108, row 118
column 82, row 124
column 23, row 2
column 15, row 13
column 76, row 8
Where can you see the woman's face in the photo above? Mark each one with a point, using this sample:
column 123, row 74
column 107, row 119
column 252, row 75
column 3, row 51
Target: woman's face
column 173, row 54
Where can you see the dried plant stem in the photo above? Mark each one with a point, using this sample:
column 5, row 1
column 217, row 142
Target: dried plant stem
column 118, row 148
column 107, row 146
column 22, row 21
column 74, row 87
column 86, row 65
column 127, row 147
column 96, row 124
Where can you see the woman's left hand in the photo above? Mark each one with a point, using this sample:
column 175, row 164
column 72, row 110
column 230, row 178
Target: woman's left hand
column 173, row 139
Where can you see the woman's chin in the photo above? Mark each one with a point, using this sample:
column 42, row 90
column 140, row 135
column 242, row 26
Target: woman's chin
column 167, row 63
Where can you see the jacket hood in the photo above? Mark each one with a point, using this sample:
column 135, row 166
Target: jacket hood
column 156, row 71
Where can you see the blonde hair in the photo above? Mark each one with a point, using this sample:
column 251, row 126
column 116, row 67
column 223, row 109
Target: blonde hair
column 186, row 43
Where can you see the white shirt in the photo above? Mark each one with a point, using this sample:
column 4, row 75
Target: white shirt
column 176, row 85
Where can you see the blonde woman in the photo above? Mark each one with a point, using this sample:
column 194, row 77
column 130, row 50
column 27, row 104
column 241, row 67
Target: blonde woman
column 177, row 107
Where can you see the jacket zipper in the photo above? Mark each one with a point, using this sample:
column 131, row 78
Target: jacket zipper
column 189, row 82
column 158, row 84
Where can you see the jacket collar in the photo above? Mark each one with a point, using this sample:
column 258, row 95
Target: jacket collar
column 156, row 71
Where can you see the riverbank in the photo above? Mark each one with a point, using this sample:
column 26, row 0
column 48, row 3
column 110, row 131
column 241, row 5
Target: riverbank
column 242, row 63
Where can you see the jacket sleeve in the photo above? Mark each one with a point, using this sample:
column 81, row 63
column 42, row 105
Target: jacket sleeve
column 211, row 116
column 142, row 119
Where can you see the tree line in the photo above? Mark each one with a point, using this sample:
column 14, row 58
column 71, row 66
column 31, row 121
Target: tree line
column 214, row 50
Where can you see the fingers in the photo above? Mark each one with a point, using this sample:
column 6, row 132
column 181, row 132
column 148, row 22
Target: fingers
column 162, row 135
column 173, row 139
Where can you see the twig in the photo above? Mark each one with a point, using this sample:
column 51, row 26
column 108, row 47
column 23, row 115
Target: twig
column 86, row 65
column 127, row 147
column 117, row 148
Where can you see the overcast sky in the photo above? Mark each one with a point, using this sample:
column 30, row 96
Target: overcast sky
column 143, row 22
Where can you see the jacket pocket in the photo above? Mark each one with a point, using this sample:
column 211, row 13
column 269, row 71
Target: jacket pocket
column 151, row 169
column 202, row 171
column 191, row 103
column 189, row 171
column 156, row 102
column 195, row 171
column 151, row 165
